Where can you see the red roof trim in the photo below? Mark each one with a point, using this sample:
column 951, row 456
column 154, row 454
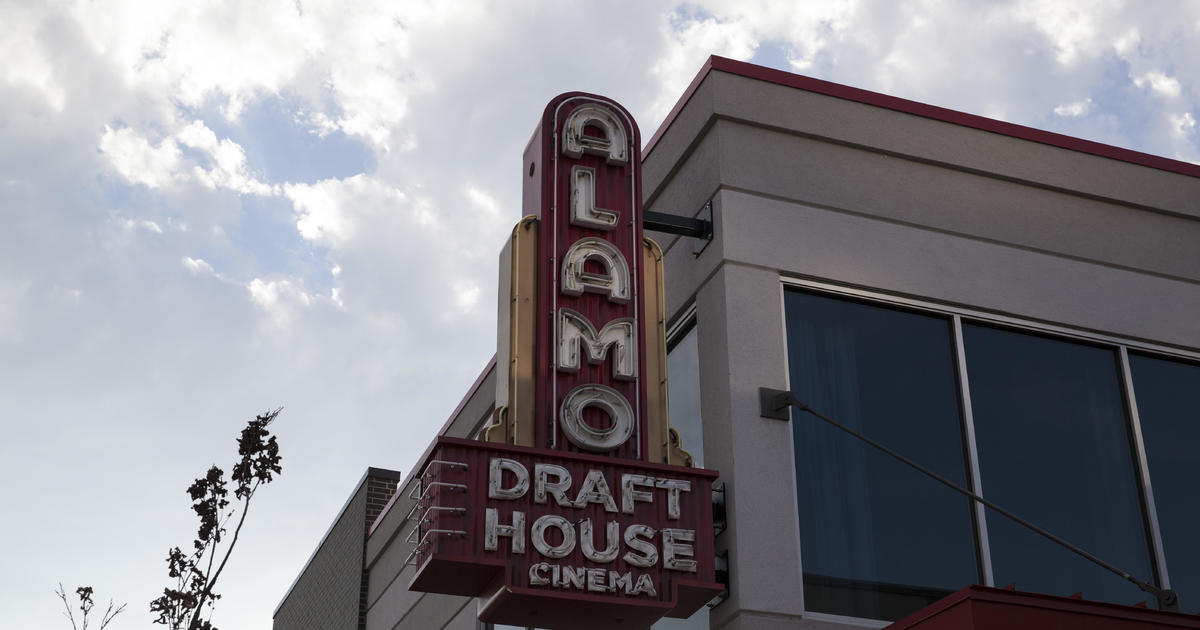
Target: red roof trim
column 915, row 108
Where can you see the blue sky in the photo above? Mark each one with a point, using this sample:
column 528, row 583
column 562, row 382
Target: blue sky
column 214, row 208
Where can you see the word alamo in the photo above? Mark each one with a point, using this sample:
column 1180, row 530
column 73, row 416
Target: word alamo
column 643, row 546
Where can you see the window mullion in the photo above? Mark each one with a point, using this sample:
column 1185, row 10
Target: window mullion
column 1160, row 560
column 981, row 532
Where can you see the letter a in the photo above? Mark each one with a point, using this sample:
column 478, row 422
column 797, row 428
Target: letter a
column 614, row 282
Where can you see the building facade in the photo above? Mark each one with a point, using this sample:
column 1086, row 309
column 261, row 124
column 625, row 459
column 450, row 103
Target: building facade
column 1015, row 310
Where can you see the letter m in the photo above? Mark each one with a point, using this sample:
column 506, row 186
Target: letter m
column 577, row 337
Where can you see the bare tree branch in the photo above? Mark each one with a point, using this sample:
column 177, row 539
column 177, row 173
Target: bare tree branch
column 85, row 605
column 63, row 596
column 111, row 614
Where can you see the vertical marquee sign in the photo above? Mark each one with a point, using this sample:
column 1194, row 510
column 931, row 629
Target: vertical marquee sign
column 570, row 511
column 589, row 252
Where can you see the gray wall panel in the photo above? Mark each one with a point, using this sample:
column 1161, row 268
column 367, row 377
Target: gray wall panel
column 389, row 569
column 432, row 612
column 392, row 603
column 741, row 349
column 465, row 619
column 838, row 120
column 909, row 261
column 658, row 165
column 865, row 182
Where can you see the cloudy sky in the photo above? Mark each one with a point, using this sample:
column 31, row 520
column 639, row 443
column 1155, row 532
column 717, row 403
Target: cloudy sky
column 208, row 209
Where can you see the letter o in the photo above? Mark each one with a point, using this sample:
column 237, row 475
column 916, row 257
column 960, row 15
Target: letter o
column 538, row 535
column 583, row 435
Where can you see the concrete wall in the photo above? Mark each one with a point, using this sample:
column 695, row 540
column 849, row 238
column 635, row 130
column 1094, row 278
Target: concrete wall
column 853, row 197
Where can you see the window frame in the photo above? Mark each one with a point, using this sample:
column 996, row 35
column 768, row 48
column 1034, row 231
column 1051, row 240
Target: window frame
column 957, row 314
column 684, row 324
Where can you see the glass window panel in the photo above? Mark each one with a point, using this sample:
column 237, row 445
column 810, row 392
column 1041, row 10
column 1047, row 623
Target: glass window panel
column 683, row 402
column 1053, row 443
column 1168, row 400
column 683, row 393
column 878, row 539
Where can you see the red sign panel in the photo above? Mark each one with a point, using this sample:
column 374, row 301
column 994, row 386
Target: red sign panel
column 580, row 526
column 584, row 186
column 564, row 540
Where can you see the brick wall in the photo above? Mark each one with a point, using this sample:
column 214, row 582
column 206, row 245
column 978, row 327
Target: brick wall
column 379, row 490
column 331, row 591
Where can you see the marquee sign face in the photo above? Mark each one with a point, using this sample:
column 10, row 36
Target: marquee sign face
column 569, row 514
column 590, row 332
column 564, row 540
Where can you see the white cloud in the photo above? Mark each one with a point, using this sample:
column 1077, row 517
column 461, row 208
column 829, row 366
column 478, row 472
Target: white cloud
column 483, row 201
column 147, row 225
column 466, row 295
column 350, row 65
column 693, row 31
column 1126, row 45
column 1185, row 124
column 268, row 294
column 394, row 248
column 139, row 161
column 1159, row 82
column 198, row 266
column 1075, row 109
column 688, row 42
column 281, row 300
column 196, row 51
column 26, row 60
column 332, row 211
column 318, row 123
column 163, row 164
column 1073, row 27
column 229, row 160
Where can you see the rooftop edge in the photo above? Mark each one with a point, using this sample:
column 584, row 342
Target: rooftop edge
column 895, row 103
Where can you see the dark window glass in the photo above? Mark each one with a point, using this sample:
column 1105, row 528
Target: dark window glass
column 1168, row 400
column 878, row 539
column 1054, row 448
column 683, row 393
